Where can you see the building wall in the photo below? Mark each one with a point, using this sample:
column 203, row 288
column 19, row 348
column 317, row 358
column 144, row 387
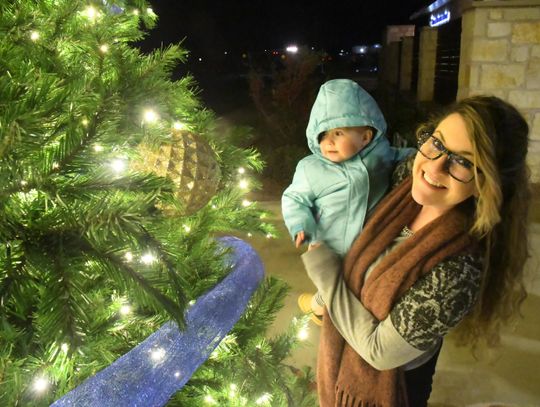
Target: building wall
column 500, row 55
column 405, row 74
column 427, row 58
column 389, row 64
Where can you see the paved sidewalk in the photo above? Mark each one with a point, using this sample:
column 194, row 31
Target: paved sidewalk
column 509, row 376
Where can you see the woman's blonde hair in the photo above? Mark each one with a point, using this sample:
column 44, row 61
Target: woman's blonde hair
column 499, row 137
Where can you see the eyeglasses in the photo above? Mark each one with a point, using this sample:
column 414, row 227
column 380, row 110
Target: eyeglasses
column 458, row 167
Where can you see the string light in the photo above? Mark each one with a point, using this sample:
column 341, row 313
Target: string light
column 303, row 333
column 243, row 184
column 150, row 116
column 264, row 399
column 157, row 354
column 128, row 256
column 241, row 170
column 118, row 165
column 40, row 384
column 246, row 203
column 55, row 166
column 34, row 36
column 176, row 374
column 104, row 48
column 64, row 347
column 91, row 13
column 24, row 183
column 148, row 258
column 214, row 207
column 179, row 126
column 150, row 11
column 269, row 236
column 249, row 234
column 84, row 122
column 98, row 148
column 187, row 228
column 209, row 399
column 136, row 12
column 125, row 309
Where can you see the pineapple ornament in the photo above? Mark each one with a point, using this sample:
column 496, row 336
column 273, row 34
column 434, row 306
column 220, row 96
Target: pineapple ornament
column 189, row 161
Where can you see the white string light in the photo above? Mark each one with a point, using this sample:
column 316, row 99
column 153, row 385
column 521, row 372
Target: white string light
column 209, row 399
column 119, row 165
column 125, row 309
column 187, row 228
column 150, row 11
column 136, row 12
column 243, row 184
column 40, row 384
column 150, row 116
column 157, row 354
column 249, row 234
column 148, row 258
column 98, row 148
column 269, row 236
column 34, row 36
column 246, row 203
column 84, row 122
column 128, row 256
column 104, row 48
column 179, row 126
column 241, row 170
column 264, row 399
column 303, row 333
column 177, row 374
column 64, row 347
column 91, row 13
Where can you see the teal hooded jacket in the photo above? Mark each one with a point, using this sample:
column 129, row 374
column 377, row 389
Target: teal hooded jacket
column 330, row 201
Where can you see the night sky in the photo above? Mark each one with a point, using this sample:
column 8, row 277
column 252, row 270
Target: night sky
column 213, row 26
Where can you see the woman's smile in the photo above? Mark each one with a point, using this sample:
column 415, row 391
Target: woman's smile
column 432, row 182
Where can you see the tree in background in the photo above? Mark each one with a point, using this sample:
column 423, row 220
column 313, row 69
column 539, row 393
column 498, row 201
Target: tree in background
column 113, row 184
column 283, row 89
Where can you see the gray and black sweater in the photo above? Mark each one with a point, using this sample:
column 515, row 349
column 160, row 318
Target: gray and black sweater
column 414, row 329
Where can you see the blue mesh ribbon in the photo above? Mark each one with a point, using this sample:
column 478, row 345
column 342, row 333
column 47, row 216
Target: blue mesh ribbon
column 153, row 371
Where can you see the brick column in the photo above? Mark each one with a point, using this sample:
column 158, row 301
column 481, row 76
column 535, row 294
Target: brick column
column 405, row 75
column 427, row 58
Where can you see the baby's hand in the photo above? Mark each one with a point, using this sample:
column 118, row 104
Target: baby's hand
column 300, row 237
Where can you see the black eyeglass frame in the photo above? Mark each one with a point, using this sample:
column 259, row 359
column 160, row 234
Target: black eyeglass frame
column 452, row 157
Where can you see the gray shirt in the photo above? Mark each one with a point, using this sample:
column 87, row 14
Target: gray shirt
column 413, row 330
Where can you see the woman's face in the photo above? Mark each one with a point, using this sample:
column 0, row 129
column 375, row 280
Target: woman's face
column 432, row 186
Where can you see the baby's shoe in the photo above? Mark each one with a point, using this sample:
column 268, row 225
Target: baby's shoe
column 304, row 302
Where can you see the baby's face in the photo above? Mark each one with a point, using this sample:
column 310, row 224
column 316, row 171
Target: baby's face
column 342, row 143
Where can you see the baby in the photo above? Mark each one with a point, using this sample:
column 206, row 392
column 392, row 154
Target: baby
column 335, row 189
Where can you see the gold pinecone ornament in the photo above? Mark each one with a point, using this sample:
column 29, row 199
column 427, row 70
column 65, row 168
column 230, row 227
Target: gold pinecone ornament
column 189, row 161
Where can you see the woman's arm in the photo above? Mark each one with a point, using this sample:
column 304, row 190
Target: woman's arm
column 422, row 316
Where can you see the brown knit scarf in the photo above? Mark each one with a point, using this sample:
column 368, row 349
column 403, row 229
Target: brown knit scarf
column 344, row 378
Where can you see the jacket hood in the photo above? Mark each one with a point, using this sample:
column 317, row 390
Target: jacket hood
column 343, row 103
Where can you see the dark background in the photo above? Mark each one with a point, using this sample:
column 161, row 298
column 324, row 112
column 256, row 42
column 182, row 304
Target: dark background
column 225, row 37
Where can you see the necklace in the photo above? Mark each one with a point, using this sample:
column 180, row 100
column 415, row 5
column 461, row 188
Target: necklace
column 407, row 232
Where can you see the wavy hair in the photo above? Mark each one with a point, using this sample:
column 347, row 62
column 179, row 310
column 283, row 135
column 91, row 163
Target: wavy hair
column 499, row 138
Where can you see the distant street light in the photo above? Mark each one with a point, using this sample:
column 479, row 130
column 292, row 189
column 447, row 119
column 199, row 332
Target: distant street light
column 293, row 49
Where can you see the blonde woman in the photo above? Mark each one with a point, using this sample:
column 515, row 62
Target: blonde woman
column 440, row 249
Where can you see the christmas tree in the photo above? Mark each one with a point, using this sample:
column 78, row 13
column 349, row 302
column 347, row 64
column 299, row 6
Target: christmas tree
column 114, row 184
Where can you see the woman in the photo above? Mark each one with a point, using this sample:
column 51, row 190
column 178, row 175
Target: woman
column 439, row 249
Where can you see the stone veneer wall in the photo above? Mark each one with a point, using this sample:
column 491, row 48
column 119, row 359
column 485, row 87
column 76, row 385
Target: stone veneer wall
column 427, row 58
column 405, row 76
column 500, row 55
